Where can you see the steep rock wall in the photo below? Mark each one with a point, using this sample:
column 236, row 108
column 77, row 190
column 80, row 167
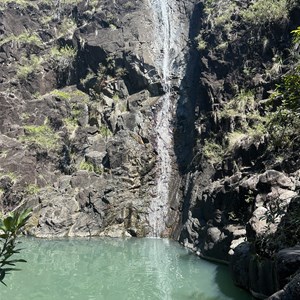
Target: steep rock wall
column 234, row 177
column 81, row 90
column 80, row 96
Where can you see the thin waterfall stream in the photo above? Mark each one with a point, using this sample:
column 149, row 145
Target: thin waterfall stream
column 164, row 64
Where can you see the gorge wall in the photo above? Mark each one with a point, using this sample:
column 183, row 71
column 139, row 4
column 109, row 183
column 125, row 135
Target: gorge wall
column 241, row 183
column 89, row 95
column 149, row 118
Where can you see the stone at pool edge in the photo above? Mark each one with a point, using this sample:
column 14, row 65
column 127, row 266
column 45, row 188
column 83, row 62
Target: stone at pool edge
column 263, row 276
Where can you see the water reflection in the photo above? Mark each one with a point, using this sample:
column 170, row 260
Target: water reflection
column 116, row 269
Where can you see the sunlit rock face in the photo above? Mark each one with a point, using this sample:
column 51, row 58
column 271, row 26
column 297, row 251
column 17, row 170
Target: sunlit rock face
column 144, row 118
column 89, row 98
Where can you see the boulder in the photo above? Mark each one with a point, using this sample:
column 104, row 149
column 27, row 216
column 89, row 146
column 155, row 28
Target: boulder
column 287, row 263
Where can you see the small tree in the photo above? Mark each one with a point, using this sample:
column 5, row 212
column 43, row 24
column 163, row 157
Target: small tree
column 10, row 227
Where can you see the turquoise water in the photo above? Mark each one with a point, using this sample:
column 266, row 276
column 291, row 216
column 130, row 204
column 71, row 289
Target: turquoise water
column 116, row 269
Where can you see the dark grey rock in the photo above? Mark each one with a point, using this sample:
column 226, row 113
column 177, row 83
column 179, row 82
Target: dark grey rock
column 287, row 264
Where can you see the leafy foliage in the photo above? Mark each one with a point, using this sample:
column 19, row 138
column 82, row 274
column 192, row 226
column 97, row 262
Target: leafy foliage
column 296, row 34
column 265, row 11
column 10, row 227
column 284, row 125
column 29, row 66
column 63, row 57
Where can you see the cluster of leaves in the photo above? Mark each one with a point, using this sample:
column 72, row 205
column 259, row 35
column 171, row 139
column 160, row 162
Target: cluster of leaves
column 10, row 227
column 284, row 127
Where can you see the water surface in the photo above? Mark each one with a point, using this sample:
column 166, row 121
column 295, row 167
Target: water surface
column 116, row 269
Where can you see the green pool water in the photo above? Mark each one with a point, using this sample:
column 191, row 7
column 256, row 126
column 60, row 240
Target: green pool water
column 116, row 269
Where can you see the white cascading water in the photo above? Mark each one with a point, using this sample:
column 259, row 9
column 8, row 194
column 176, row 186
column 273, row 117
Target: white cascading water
column 164, row 38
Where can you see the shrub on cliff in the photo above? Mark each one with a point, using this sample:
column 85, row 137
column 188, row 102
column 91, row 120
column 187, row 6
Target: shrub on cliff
column 10, row 227
column 262, row 11
column 284, row 126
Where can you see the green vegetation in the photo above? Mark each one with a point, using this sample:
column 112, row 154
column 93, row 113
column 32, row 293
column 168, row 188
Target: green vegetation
column 13, row 177
column 225, row 14
column 201, row 43
column 120, row 72
column 105, row 131
column 24, row 38
column 71, row 124
column 112, row 27
column 247, row 123
column 76, row 99
column 242, row 104
column 35, row 3
column 29, row 66
column 129, row 5
column 262, row 11
column 63, row 57
column 296, row 35
column 258, row 12
column 66, row 26
column 42, row 135
column 21, row 3
column 284, row 125
column 32, row 189
column 69, row 95
column 116, row 97
column 89, row 76
column 3, row 153
column 224, row 18
column 233, row 138
column 88, row 166
column 10, row 227
column 277, row 119
column 63, row 95
column 213, row 151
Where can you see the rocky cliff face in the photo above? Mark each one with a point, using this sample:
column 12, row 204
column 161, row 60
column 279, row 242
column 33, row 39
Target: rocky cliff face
column 80, row 97
column 148, row 118
column 239, row 184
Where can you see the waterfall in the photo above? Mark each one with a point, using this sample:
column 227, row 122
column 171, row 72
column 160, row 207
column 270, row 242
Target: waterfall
column 163, row 52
